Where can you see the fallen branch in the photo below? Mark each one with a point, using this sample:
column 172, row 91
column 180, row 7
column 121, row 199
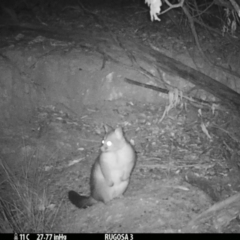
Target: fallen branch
column 166, row 91
column 222, row 214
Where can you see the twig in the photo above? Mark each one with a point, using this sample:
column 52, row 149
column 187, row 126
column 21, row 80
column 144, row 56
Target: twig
column 193, row 29
column 180, row 4
column 158, row 89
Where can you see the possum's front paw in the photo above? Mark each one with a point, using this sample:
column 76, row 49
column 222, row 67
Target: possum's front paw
column 110, row 183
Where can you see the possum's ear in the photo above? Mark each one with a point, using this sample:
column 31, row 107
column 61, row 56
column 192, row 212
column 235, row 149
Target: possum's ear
column 107, row 128
column 119, row 132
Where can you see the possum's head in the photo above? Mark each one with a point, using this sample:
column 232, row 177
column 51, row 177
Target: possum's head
column 113, row 141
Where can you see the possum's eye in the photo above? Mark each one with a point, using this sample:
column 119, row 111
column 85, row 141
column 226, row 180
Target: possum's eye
column 109, row 143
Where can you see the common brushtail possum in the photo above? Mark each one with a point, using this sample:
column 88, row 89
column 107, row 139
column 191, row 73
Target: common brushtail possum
column 111, row 171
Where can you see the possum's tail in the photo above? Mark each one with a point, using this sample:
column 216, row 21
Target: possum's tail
column 80, row 201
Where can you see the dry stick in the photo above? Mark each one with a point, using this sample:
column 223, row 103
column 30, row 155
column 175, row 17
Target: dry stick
column 223, row 3
column 236, row 7
column 180, row 4
column 232, row 5
column 197, row 9
column 219, row 33
column 155, row 88
column 190, row 19
column 191, row 22
column 114, row 37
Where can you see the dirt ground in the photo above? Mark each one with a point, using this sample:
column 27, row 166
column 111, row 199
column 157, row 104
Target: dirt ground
column 60, row 85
